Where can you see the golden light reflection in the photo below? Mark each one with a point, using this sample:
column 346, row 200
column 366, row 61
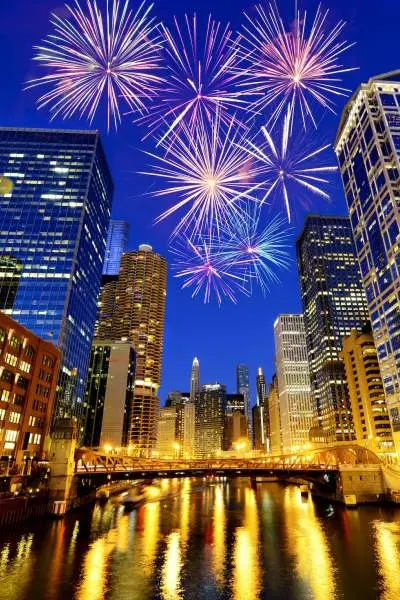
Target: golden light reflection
column 17, row 576
column 94, row 577
column 123, row 533
column 151, row 524
column 387, row 536
column 170, row 579
column 247, row 568
column 219, row 527
column 308, row 544
column 185, row 512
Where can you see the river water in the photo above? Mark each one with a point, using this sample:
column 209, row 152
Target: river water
column 206, row 541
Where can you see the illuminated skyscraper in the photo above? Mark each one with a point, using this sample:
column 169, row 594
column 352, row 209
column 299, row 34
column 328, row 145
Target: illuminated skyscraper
column 333, row 304
column 261, row 430
column 138, row 317
column 295, row 405
column 117, row 243
column 53, row 229
column 243, row 387
column 368, row 149
column 210, row 406
column 195, row 380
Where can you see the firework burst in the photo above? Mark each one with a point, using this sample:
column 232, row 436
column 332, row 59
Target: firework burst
column 202, row 267
column 96, row 53
column 211, row 173
column 295, row 68
column 259, row 250
column 288, row 162
column 201, row 71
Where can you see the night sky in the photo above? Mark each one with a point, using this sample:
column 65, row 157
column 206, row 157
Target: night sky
column 220, row 337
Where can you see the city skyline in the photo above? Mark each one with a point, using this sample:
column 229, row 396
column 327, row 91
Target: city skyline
column 207, row 322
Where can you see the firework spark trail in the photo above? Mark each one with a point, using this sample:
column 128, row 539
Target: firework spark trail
column 212, row 175
column 95, row 53
column 260, row 250
column 201, row 73
column 288, row 162
column 202, row 267
column 293, row 68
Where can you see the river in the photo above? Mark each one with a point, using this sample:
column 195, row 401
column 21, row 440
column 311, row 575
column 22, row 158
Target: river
column 207, row 541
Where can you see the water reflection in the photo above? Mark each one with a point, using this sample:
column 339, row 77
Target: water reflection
column 247, row 569
column 308, row 544
column 219, row 545
column 170, row 585
column 95, row 568
column 150, row 514
column 387, row 540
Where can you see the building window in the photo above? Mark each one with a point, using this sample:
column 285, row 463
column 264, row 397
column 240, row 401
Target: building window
column 2, row 414
column 22, row 382
column 29, row 352
column 10, row 359
column 15, row 417
column 7, row 376
column 25, row 366
column 18, row 400
column 5, row 395
column 15, row 343
column 11, row 435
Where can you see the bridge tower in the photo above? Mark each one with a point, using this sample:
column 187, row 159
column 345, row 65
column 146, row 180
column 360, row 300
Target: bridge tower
column 62, row 465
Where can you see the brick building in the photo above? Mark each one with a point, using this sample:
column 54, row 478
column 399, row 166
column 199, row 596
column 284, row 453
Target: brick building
column 28, row 378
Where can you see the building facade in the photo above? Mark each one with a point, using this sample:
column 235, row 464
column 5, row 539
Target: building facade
column 368, row 150
column 274, row 417
column 210, row 407
column 261, row 428
column 117, row 244
column 109, row 393
column 167, row 445
column 195, row 379
column 333, row 304
column 370, row 412
column 295, row 404
column 138, row 312
column 243, row 387
column 29, row 369
column 53, row 230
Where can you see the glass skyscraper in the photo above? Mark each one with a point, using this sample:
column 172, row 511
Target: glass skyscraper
column 368, row 149
column 117, row 244
column 53, row 230
column 333, row 304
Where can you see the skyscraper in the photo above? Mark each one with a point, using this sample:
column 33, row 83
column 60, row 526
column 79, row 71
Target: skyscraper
column 274, row 417
column 195, row 380
column 53, row 230
column 333, row 304
column 368, row 149
column 117, row 243
column 210, row 408
column 243, row 387
column 295, row 405
column 261, row 415
column 138, row 311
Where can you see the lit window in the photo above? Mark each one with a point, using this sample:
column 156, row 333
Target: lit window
column 5, row 395
column 15, row 417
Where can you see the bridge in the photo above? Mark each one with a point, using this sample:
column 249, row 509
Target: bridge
column 335, row 472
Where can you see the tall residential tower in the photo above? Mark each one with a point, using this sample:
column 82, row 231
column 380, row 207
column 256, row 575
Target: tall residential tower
column 368, row 149
column 195, row 380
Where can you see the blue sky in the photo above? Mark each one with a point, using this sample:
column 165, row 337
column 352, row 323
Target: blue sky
column 220, row 337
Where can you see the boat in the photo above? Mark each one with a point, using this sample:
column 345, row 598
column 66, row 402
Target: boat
column 130, row 500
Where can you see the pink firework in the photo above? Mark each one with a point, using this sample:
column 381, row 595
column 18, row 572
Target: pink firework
column 293, row 68
column 202, row 267
column 97, row 52
column 209, row 173
column 201, row 70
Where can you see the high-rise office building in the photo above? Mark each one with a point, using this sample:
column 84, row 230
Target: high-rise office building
column 167, row 445
column 243, row 387
column 195, row 380
column 295, row 404
column 274, row 417
column 333, row 304
column 117, row 244
column 370, row 413
column 138, row 310
column 109, row 393
column 261, row 430
column 368, row 150
column 53, row 228
column 210, row 406
column 186, row 429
